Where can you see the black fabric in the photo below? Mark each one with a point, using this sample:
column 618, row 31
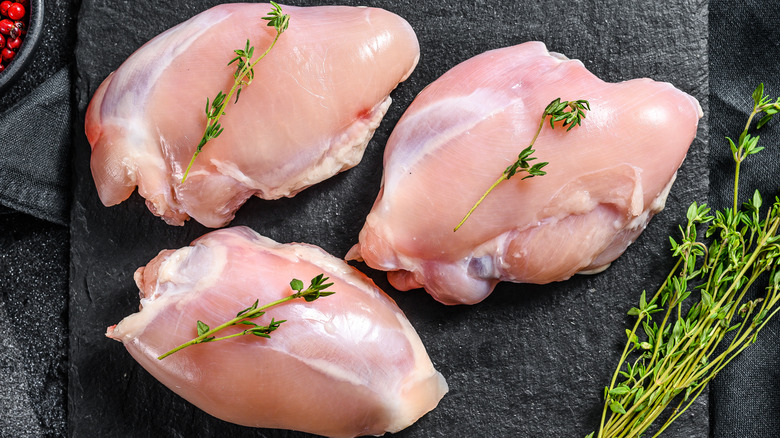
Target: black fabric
column 745, row 51
column 34, row 171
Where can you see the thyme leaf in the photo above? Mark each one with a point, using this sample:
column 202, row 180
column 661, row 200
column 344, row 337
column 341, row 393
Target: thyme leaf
column 570, row 113
column 666, row 366
column 242, row 77
column 317, row 289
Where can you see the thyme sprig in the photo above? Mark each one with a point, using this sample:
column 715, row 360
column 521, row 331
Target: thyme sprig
column 243, row 76
column 317, row 289
column 570, row 113
column 669, row 359
column 747, row 144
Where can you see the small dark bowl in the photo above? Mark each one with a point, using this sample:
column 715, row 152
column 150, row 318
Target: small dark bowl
column 24, row 57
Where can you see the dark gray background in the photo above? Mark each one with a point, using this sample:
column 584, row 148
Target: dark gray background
column 529, row 361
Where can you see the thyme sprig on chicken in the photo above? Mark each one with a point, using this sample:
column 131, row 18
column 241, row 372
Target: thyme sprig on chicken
column 317, row 289
column 676, row 347
column 570, row 113
column 243, row 76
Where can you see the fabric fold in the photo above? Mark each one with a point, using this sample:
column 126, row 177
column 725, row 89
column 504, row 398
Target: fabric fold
column 35, row 151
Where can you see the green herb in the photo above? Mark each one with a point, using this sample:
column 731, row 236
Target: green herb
column 570, row 113
column 315, row 290
column 243, row 76
column 669, row 358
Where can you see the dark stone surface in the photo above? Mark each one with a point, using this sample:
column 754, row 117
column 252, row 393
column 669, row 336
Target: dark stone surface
column 33, row 321
column 528, row 361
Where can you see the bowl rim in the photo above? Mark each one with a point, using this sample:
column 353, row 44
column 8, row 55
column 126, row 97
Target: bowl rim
column 29, row 46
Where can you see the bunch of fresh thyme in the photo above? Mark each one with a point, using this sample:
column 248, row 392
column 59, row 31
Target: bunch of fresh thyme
column 570, row 113
column 243, row 76
column 315, row 290
column 678, row 352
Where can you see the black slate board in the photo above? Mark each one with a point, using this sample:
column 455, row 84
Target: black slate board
column 528, row 361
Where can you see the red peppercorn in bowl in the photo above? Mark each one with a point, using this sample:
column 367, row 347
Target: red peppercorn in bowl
column 21, row 28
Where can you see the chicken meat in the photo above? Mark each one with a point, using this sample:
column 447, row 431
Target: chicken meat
column 604, row 181
column 344, row 365
column 313, row 106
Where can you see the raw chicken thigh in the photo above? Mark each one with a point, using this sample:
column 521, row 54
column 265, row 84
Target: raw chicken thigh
column 344, row 365
column 311, row 110
column 606, row 178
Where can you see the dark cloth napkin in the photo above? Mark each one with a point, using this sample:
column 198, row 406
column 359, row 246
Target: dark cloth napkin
column 35, row 195
column 744, row 48
column 34, row 165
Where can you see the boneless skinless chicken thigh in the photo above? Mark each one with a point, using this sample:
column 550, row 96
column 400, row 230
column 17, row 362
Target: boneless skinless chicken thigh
column 343, row 365
column 604, row 181
column 314, row 103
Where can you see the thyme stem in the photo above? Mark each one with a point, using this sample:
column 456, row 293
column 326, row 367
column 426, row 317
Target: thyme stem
column 243, row 76
column 205, row 334
column 474, row 207
column 570, row 113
